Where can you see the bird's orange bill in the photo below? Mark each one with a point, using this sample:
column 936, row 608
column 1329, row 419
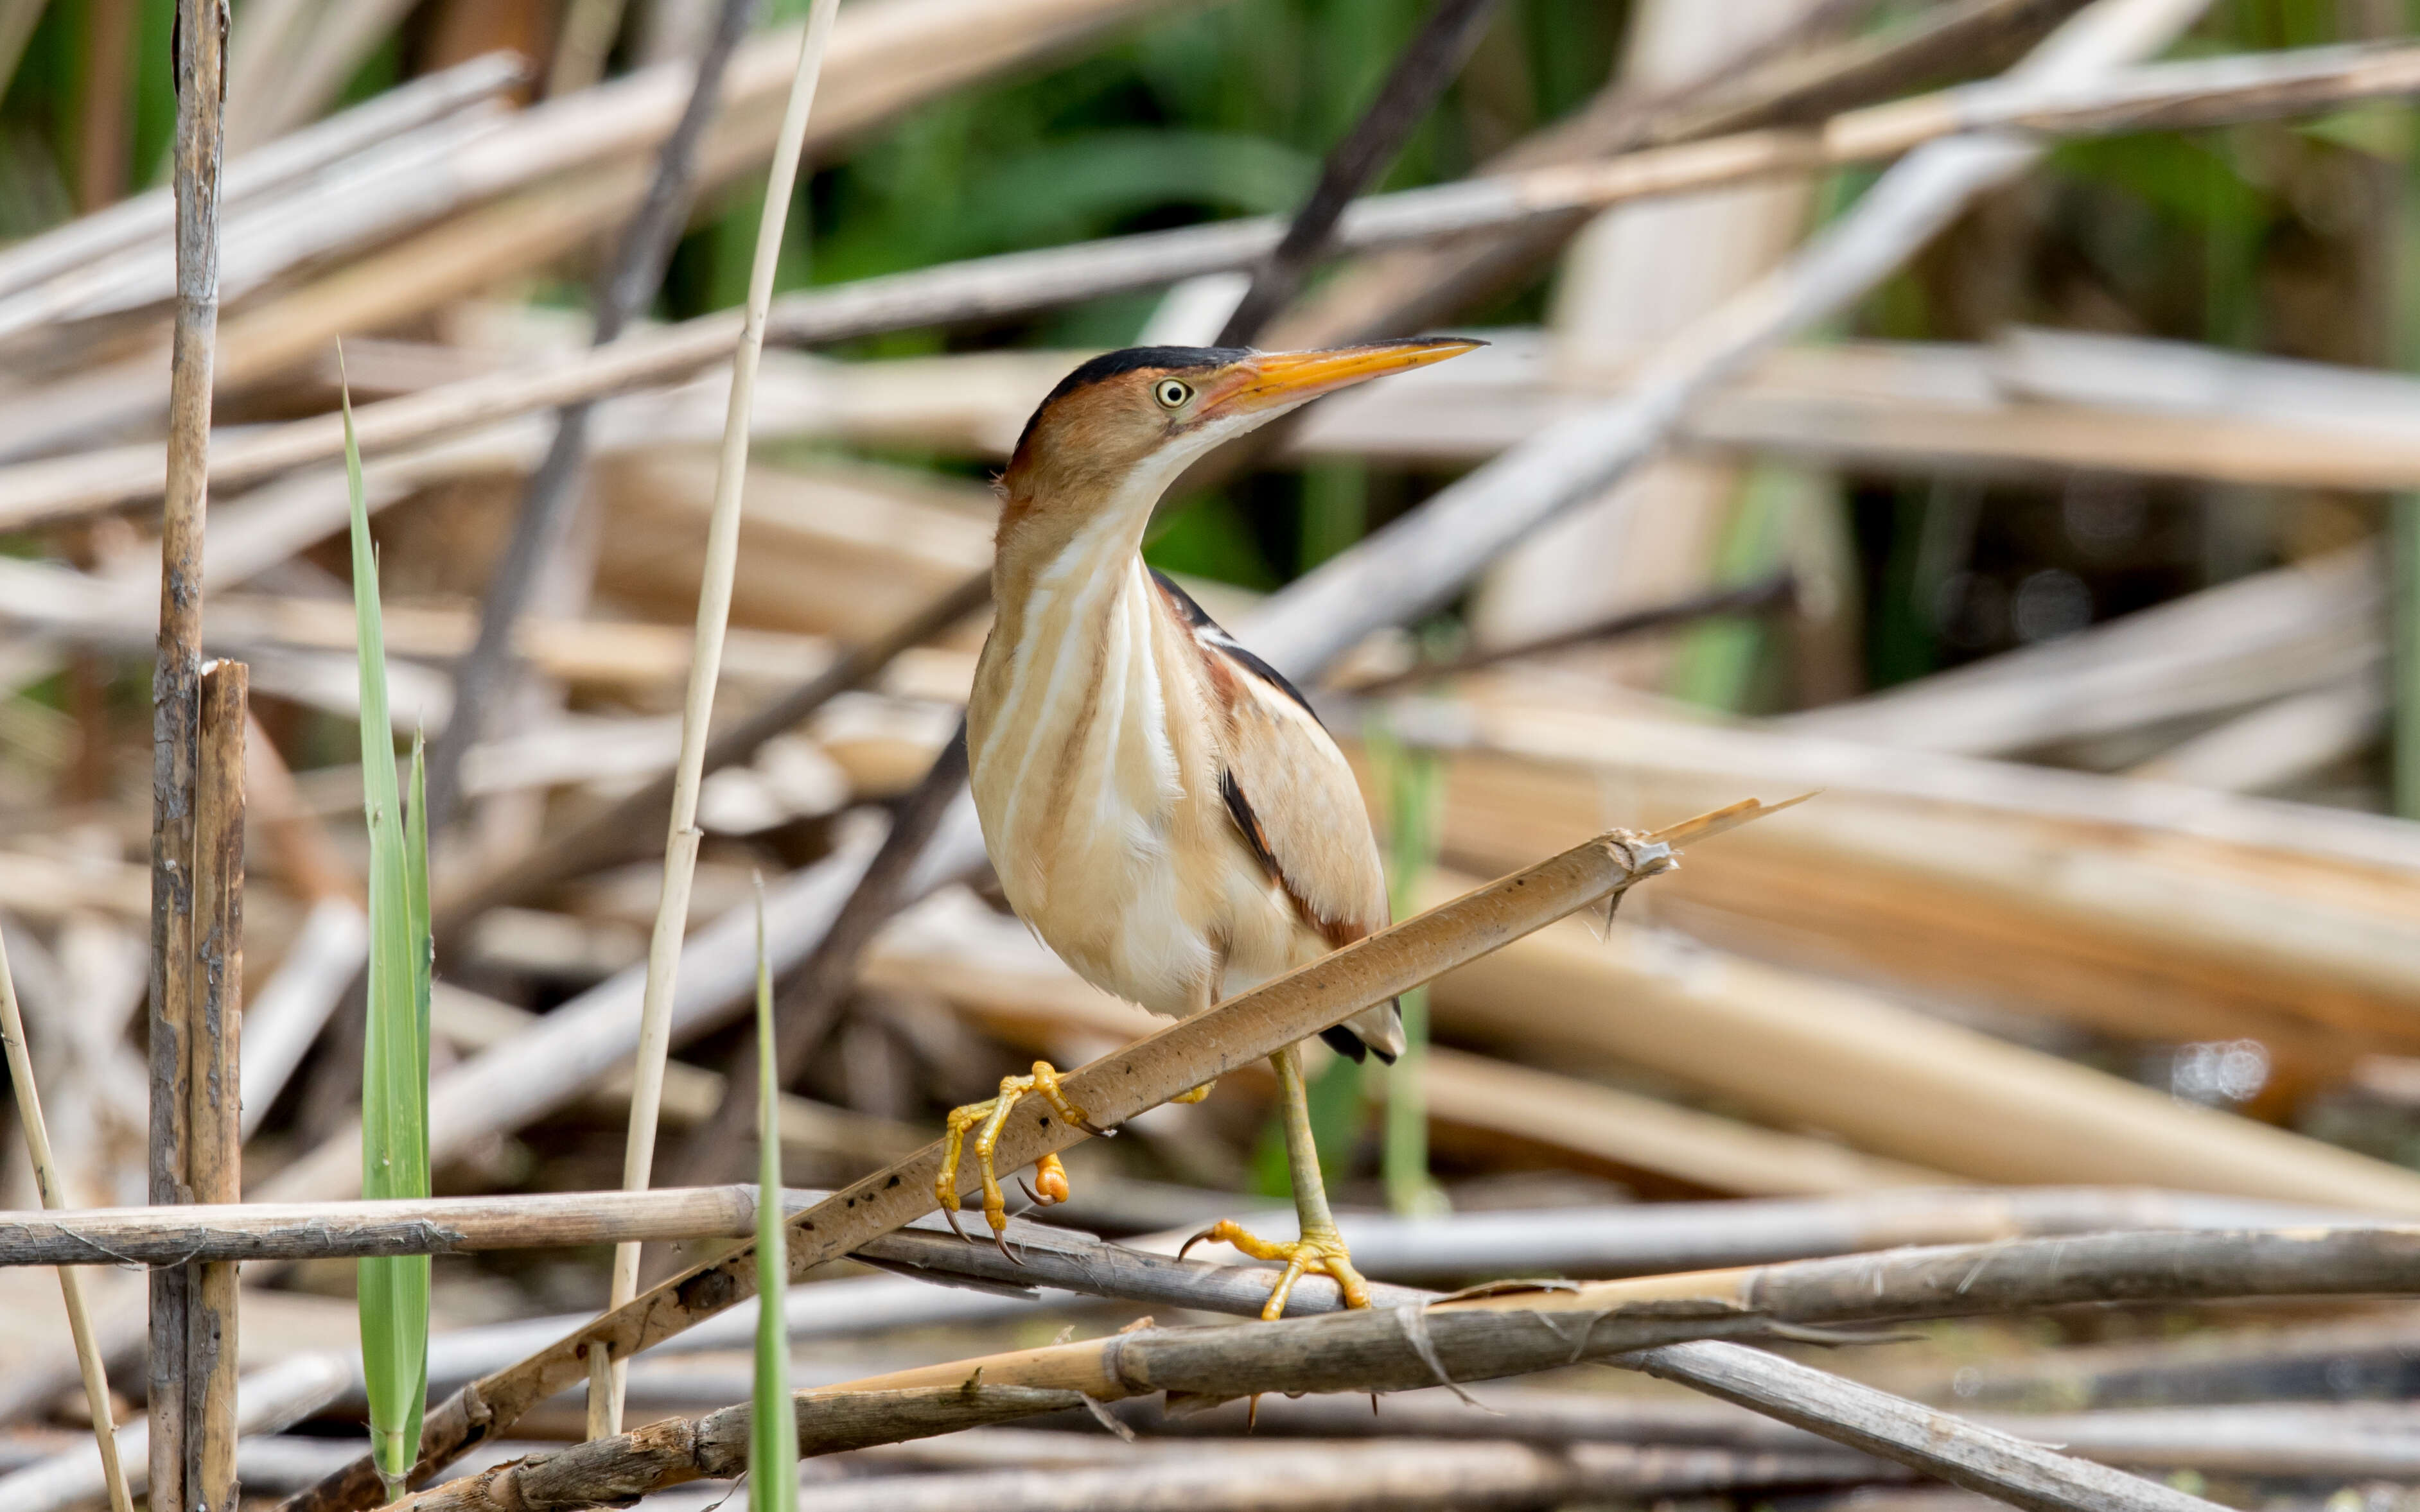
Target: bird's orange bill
column 1272, row 378
column 1729, row 817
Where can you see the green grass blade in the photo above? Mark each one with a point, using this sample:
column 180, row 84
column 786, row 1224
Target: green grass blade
column 392, row 1290
column 773, row 1435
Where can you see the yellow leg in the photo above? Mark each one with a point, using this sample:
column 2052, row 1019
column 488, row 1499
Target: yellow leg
column 1321, row 1247
column 987, row 1118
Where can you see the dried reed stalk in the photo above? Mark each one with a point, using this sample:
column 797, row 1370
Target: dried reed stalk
column 436, row 1225
column 2267, row 1438
column 1998, row 1464
column 1143, row 1075
column 46, row 1185
column 175, row 724
column 1618, row 1241
column 213, row 1099
column 608, row 1369
column 1401, row 1476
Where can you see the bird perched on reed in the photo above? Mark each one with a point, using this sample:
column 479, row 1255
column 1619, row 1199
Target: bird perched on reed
column 1162, row 807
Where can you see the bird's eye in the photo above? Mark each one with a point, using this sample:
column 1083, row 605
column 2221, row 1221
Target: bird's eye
column 1172, row 392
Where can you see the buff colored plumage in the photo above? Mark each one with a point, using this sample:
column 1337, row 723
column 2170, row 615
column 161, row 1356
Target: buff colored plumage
column 1160, row 806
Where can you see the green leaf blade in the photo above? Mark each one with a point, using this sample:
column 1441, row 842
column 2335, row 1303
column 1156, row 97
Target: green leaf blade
column 392, row 1290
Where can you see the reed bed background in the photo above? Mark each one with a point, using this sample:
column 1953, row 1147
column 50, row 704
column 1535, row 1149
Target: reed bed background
column 1995, row 417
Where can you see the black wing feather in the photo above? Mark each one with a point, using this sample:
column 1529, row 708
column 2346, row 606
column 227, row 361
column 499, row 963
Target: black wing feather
column 1198, row 618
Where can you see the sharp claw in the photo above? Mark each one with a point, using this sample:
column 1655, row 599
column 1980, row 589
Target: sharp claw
column 952, row 1215
column 1000, row 1238
column 1094, row 1129
column 1187, row 1245
column 1031, row 1195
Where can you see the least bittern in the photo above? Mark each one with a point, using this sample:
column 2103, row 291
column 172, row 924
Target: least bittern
column 1163, row 808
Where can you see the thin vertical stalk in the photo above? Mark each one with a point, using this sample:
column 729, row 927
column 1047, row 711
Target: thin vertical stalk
column 772, row 1434
column 213, row 1101
column 46, row 1183
column 1411, row 780
column 176, row 690
column 705, row 666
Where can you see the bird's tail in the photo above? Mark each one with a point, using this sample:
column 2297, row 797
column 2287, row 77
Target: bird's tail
column 1379, row 1028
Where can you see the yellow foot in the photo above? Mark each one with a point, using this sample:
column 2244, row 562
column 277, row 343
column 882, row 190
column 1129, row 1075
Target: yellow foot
column 1049, row 1176
column 1196, row 1095
column 1313, row 1253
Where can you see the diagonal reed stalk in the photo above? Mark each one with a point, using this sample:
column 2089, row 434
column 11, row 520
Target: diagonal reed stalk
column 772, row 1448
column 46, row 1184
column 394, row 1290
column 607, row 1372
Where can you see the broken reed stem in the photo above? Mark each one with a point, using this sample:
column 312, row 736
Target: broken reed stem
column 46, row 1186
column 214, row 1160
column 2199, row 93
column 175, row 724
column 608, row 1368
column 548, row 498
column 1117, row 1088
